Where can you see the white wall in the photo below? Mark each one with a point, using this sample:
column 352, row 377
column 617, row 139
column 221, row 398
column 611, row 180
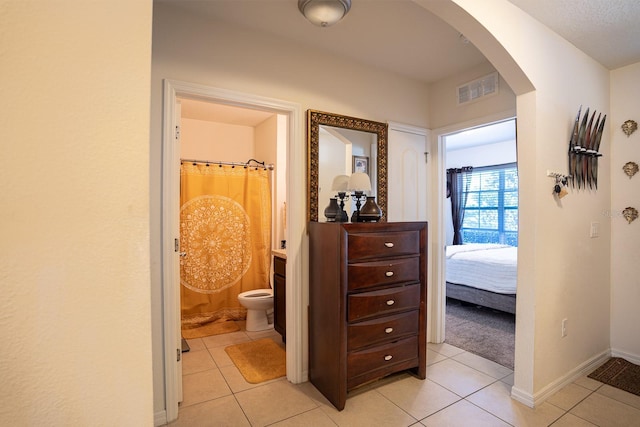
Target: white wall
column 205, row 140
column 498, row 153
column 195, row 49
column 625, row 270
column 270, row 148
column 444, row 109
column 562, row 273
column 74, row 173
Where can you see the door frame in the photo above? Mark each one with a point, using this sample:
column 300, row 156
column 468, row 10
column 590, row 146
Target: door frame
column 439, row 295
column 295, row 227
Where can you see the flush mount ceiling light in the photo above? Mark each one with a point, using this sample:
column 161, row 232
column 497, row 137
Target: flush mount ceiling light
column 324, row 13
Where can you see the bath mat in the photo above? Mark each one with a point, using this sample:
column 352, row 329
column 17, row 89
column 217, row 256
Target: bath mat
column 208, row 329
column 619, row 373
column 258, row 361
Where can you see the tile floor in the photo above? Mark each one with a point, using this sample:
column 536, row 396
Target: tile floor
column 461, row 389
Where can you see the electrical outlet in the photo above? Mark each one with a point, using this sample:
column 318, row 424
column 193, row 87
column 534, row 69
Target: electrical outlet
column 564, row 328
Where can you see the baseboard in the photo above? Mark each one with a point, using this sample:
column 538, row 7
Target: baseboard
column 160, row 418
column 538, row 398
column 522, row 396
column 633, row 358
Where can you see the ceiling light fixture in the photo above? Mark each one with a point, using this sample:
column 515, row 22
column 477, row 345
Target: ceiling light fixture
column 324, row 13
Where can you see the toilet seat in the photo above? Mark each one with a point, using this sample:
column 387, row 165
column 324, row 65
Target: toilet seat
column 257, row 293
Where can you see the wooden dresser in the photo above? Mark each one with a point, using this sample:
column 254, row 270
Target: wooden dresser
column 367, row 303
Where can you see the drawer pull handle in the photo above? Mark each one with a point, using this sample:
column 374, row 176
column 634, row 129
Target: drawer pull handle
column 388, row 244
column 389, row 273
column 388, row 357
column 388, row 330
column 390, row 302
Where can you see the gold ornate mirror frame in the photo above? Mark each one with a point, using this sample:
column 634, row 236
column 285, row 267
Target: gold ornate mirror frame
column 317, row 118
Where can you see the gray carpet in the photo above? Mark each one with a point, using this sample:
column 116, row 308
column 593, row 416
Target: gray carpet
column 483, row 331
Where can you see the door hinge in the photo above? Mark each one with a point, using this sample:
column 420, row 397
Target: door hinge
column 177, row 132
column 426, row 157
column 176, row 245
column 178, row 354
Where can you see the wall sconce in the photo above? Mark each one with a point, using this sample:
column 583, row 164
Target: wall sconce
column 324, row 13
column 359, row 182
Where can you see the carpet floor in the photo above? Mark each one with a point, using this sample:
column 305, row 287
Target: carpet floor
column 482, row 331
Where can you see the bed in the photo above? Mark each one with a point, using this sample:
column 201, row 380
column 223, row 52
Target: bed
column 483, row 274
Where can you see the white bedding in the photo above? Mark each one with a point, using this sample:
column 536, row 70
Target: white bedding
column 490, row 267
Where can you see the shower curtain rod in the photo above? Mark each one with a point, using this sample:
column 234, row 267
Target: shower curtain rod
column 217, row 162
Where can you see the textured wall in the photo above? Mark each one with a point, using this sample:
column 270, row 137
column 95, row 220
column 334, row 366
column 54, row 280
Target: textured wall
column 625, row 270
column 74, row 253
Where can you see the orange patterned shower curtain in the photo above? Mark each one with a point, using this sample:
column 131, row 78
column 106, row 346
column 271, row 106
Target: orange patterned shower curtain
column 225, row 233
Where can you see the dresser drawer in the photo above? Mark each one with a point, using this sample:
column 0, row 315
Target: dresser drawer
column 379, row 357
column 368, row 274
column 378, row 245
column 376, row 303
column 388, row 328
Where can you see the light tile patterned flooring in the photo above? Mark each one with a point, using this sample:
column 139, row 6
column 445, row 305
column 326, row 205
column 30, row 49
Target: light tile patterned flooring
column 461, row 389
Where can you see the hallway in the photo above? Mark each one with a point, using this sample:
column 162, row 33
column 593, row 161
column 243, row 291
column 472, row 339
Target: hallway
column 459, row 387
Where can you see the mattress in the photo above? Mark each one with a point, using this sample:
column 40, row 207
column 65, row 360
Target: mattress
column 490, row 267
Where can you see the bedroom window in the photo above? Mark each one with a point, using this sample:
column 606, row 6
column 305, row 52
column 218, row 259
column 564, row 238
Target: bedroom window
column 491, row 211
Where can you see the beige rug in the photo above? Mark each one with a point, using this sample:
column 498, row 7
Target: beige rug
column 258, row 361
column 209, row 329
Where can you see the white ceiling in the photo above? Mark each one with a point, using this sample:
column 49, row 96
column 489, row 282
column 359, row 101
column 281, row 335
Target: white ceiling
column 386, row 34
column 606, row 30
column 391, row 34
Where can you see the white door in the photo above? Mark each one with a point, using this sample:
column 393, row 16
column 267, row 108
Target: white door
column 176, row 261
column 407, row 174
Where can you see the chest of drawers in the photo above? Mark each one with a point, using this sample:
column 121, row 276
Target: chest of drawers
column 367, row 304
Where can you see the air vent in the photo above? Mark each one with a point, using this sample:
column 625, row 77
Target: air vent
column 479, row 88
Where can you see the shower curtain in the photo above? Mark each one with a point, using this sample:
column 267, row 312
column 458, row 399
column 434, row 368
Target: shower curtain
column 225, row 235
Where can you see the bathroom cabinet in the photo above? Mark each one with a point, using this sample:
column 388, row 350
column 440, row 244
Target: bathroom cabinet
column 367, row 304
column 279, row 296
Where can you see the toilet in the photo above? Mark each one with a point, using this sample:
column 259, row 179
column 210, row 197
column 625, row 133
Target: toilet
column 259, row 305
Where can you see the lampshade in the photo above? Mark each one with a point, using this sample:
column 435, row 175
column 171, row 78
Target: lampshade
column 340, row 183
column 324, row 13
column 359, row 181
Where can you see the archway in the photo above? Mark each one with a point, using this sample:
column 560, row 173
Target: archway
column 462, row 20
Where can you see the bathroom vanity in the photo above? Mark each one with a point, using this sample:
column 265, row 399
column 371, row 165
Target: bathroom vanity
column 367, row 303
column 279, row 292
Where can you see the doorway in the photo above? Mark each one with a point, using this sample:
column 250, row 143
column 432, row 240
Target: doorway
column 295, row 167
column 480, row 235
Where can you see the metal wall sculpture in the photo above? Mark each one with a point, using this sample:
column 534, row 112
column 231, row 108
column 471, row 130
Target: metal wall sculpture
column 583, row 150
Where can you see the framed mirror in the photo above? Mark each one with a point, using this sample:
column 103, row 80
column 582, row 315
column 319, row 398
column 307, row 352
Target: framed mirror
column 365, row 149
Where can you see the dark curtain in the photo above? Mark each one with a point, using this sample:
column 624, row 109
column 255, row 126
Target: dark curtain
column 457, row 184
